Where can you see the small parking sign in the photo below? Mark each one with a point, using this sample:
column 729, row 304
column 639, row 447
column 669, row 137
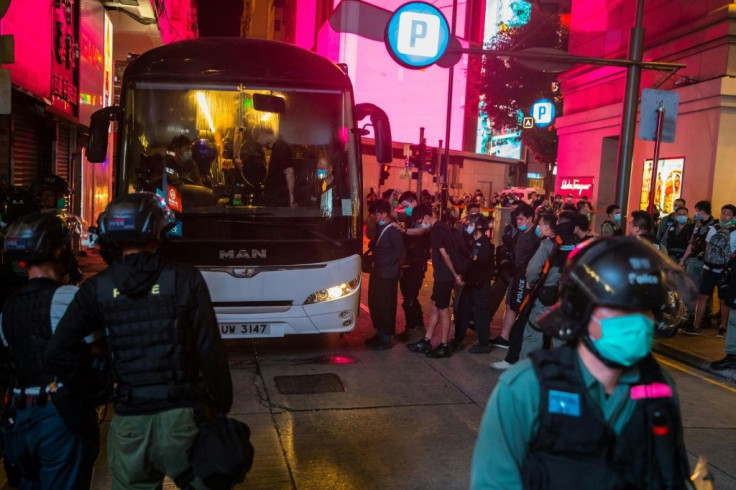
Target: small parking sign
column 417, row 35
column 543, row 112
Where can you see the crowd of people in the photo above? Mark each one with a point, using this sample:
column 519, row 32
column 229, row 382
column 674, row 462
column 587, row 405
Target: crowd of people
column 586, row 412
column 472, row 278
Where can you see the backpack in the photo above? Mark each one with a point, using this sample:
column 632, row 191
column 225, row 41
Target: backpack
column 718, row 250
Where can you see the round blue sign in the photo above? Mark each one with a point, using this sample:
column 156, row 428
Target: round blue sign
column 543, row 112
column 417, row 35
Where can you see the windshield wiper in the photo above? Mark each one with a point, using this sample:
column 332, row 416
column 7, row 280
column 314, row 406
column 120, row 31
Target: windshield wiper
column 305, row 228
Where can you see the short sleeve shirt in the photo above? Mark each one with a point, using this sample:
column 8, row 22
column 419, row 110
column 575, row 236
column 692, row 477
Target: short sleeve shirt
column 441, row 238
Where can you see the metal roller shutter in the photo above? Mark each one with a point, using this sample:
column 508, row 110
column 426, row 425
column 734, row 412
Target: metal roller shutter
column 63, row 143
column 26, row 161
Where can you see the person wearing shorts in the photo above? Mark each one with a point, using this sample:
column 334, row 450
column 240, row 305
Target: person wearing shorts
column 445, row 279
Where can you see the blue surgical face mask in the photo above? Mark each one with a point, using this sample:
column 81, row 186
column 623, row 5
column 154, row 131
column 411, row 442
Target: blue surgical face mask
column 425, row 226
column 698, row 216
column 61, row 203
column 523, row 227
column 538, row 231
column 382, row 222
column 469, row 229
column 681, row 219
column 321, row 173
column 408, row 211
column 617, row 217
column 625, row 340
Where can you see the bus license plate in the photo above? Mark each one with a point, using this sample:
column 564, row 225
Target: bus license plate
column 236, row 330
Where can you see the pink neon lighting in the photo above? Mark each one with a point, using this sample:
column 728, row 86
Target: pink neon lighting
column 30, row 24
column 411, row 98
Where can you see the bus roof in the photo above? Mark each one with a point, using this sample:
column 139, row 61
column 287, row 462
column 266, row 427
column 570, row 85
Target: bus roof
column 228, row 60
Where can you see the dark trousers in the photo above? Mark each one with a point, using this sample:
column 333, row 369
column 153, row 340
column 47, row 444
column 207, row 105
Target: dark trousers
column 382, row 299
column 497, row 294
column 48, row 453
column 410, row 283
column 475, row 305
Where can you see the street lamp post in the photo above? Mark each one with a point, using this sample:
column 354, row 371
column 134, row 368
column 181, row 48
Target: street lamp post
column 628, row 120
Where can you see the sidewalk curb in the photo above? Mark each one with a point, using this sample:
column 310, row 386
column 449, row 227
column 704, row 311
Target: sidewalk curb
column 692, row 361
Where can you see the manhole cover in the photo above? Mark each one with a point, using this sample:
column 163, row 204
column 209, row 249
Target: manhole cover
column 308, row 383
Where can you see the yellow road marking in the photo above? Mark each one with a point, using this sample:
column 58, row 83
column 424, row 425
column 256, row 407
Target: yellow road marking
column 691, row 372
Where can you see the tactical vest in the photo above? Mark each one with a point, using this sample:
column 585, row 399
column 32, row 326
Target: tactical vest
column 27, row 329
column 576, row 448
column 677, row 242
column 617, row 231
column 148, row 341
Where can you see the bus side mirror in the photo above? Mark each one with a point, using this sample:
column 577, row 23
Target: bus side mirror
column 381, row 130
column 99, row 127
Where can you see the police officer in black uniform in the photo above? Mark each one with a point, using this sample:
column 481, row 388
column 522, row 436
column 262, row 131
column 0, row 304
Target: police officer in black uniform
column 50, row 450
column 598, row 412
column 475, row 298
column 163, row 340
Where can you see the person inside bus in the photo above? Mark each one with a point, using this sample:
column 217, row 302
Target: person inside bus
column 180, row 159
column 279, row 182
column 203, row 154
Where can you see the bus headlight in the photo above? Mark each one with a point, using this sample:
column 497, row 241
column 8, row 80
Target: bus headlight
column 334, row 292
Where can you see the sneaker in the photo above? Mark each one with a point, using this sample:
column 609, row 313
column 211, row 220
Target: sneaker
column 691, row 331
column 480, row 349
column 380, row 345
column 442, row 350
column 457, row 345
column 501, row 365
column 728, row 362
column 500, row 342
column 721, row 333
column 372, row 340
column 423, row 345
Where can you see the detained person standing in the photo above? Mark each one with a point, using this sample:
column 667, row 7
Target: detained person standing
column 388, row 253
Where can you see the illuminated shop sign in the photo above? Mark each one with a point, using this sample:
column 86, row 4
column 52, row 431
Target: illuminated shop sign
column 667, row 186
column 65, row 51
column 576, row 186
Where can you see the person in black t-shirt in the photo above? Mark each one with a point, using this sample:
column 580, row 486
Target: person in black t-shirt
column 445, row 278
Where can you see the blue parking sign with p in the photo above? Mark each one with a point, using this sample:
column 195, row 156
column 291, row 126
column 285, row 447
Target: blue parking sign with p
column 543, row 112
column 417, row 35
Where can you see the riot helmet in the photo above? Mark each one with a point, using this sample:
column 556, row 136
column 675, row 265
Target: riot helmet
column 479, row 221
column 38, row 237
column 618, row 272
column 203, row 153
column 49, row 191
column 137, row 218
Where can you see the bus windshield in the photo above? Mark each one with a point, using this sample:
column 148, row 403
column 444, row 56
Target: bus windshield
column 240, row 155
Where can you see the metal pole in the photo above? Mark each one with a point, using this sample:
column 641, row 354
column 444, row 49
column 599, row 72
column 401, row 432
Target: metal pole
column 628, row 120
column 657, row 142
column 448, row 122
column 419, row 169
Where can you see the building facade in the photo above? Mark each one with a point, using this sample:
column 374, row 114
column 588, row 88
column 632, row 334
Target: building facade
column 63, row 70
column 698, row 164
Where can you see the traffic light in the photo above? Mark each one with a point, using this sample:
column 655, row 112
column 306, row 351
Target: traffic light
column 384, row 174
column 418, row 155
column 431, row 163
